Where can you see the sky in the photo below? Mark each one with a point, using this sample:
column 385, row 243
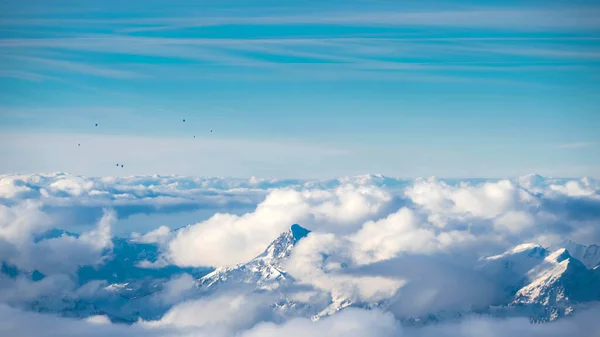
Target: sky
column 303, row 89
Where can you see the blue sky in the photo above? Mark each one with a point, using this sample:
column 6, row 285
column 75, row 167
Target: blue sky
column 301, row 88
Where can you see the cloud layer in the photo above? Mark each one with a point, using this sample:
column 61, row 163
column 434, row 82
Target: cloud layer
column 406, row 247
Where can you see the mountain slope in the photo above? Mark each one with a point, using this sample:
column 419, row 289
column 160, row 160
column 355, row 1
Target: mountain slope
column 264, row 271
column 559, row 280
column 557, row 287
column 510, row 268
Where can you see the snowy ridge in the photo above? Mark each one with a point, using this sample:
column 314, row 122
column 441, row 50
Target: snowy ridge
column 540, row 283
column 545, row 284
column 265, row 271
column 531, row 249
column 588, row 255
column 559, row 280
column 509, row 268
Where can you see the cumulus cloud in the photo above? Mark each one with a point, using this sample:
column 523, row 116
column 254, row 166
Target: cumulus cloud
column 321, row 260
column 75, row 200
column 17, row 292
column 385, row 238
column 64, row 254
column 393, row 258
column 349, row 323
column 514, row 221
column 433, row 284
column 159, row 235
column 583, row 188
column 20, row 222
column 98, row 319
column 231, row 311
column 175, row 290
column 227, row 239
column 486, row 200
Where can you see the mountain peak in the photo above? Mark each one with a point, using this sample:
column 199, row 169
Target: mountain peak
column 559, row 280
column 559, row 256
column 266, row 270
column 526, row 249
column 282, row 246
column 588, row 255
column 298, row 232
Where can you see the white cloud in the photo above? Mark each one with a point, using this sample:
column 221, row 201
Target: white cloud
column 514, row 221
column 320, row 260
column 231, row 311
column 486, row 200
column 99, row 319
column 159, row 235
column 385, row 238
column 349, row 323
column 176, row 289
column 227, row 239
column 12, row 188
column 21, row 290
column 575, row 188
column 20, row 222
column 575, row 145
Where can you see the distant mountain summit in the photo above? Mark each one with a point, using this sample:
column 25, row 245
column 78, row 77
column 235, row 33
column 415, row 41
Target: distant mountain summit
column 544, row 284
column 588, row 255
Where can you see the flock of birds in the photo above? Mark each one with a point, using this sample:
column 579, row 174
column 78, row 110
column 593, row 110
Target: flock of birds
column 79, row 144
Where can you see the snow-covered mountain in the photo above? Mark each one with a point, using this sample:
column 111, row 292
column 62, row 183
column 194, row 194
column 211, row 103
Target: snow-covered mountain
column 541, row 283
column 265, row 271
column 510, row 267
column 558, row 281
column 538, row 282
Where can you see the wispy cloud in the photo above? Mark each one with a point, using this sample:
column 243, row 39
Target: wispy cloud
column 24, row 75
column 571, row 18
column 350, row 56
column 509, row 19
column 81, row 67
column 575, row 145
column 327, row 54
